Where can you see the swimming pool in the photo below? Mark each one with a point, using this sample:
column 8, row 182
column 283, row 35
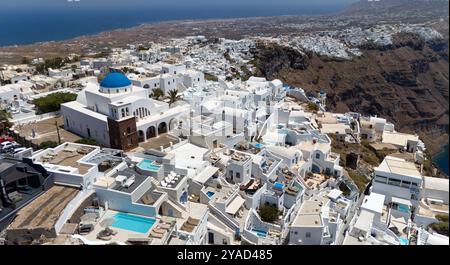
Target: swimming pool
column 259, row 145
column 210, row 193
column 260, row 232
column 133, row 223
column 279, row 185
column 403, row 208
column 149, row 165
column 404, row 241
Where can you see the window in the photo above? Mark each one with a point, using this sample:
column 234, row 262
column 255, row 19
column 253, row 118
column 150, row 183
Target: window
column 406, row 184
column 380, row 179
column 224, row 242
column 308, row 235
column 238, row 175
column 127, row 111
column 317, row 156
column 394, row 182
column 210, row 238
column 123, row 113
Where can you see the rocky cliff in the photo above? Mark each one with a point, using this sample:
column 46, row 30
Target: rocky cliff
column 406, row 82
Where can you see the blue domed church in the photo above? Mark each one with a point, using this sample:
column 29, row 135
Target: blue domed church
column 118, row 114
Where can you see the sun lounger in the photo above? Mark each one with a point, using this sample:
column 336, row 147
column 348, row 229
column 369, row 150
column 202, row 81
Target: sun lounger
column 159, row 230
column 164, row 226
column 156, row 235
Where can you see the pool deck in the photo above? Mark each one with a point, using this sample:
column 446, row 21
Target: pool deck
column 122, row 235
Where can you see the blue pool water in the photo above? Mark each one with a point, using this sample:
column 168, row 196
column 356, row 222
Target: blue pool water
column 258, row 145
column 210, row 193
column 260, row 232
column 403, row 208
column 279, row 185
column 133, row 223
column 403, row 241
column 147, row 164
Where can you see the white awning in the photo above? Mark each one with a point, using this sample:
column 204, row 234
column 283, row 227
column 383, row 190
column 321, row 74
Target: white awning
column 401, row 201
column 207, row 173
column 234, row 205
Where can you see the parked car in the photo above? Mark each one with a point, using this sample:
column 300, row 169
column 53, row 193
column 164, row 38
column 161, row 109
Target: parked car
column 8, row 145
column 20, row 149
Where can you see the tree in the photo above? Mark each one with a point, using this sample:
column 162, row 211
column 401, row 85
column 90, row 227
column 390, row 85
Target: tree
column 173, row 96
column 156, row 93
column 4, row 115
column 4, row 120
column 52, row 102
column 269, row 213
column 54, row 63
column 48, row 144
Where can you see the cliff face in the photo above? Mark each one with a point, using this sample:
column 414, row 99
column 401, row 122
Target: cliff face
column 406, row 82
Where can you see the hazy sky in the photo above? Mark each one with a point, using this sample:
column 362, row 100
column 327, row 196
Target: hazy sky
column 124, row 3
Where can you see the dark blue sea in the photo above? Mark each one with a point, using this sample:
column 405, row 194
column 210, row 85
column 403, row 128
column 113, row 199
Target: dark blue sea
column 25, row 22
column 441, row 160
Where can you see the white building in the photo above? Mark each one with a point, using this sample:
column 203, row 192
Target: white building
column 400, row 181
column 118, row 114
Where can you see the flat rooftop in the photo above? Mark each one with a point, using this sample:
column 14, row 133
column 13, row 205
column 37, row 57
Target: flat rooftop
column 68, row 157
column 397, row 138
column 163, row 140
column 45, row 210
column 309, row 214
column 399, row 166
column 138, row 179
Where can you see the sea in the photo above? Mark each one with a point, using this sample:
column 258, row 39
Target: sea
column 25, row 24
column 441, row 160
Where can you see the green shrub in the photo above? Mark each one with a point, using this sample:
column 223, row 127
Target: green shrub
column 88, row 141
column 53, row 101
column 48, row 144
column 442, row 217
column 269, row 213
column 54, row 63
column 440, row 227
column 313, row 107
